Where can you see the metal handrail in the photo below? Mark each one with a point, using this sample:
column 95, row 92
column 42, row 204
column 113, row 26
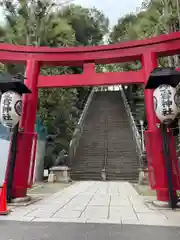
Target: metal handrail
column 134, row 128
column 139, row 138
column 79, row 129
column 105, row 148
column 105, row 159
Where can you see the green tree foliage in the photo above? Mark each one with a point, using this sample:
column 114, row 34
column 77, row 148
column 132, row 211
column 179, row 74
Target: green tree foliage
column 90, row 25
column 54, row 24
column 155, row 17
column 34, row 22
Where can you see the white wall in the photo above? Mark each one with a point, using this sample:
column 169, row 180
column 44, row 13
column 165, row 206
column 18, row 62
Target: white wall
column 39, row 164
column 4, row 151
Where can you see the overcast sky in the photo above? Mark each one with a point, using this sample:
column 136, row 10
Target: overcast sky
column 113, row 9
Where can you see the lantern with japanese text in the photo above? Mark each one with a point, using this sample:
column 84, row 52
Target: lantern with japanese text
column 10, row 110
column 166, row 103
column 160, row 146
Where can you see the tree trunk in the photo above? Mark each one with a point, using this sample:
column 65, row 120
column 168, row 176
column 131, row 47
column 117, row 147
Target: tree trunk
column 172, row 60
column 178, row 12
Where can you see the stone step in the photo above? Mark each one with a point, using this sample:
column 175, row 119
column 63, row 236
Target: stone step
column 107, row 134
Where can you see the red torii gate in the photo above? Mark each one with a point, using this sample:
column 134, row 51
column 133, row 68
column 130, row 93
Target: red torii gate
column 146, row 51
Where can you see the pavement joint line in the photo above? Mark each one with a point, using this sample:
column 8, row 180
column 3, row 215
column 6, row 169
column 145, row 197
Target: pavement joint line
column 65, row 204
column 87, row 204
column 30, row 211
column 161, row 211
column 158, row 210
column 33, row 219
column 69, row 201
column 133, row 208
column 163, row 214
column 109, row 207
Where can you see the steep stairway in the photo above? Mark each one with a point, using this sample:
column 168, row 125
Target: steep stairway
column 106, row 142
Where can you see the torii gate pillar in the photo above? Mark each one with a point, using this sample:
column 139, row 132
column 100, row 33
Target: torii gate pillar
column 155, row 155
column 23, row 172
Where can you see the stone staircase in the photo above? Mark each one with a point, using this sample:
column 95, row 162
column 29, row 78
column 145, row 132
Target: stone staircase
column 106, row 142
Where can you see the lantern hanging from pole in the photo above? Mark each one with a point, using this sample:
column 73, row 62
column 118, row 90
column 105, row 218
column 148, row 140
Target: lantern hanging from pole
column 10, row 110
column 166, row 103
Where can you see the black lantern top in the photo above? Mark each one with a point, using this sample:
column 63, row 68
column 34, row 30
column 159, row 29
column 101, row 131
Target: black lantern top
column 161, row 76
column 14, row 83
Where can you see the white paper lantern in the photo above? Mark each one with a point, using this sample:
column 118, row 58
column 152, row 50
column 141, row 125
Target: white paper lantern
column 166, row 103
column 10, row 110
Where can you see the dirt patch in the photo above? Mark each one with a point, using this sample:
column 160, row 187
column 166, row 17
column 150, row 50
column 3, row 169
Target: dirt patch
column 144, row 190
column 47, row 188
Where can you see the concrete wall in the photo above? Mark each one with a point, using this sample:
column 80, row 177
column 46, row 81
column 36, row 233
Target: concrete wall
column 4, row 151
column 39, row 165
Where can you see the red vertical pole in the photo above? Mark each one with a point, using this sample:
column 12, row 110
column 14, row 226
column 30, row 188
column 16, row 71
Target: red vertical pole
column 149, row 62
column 25, row 139
column 30, row 100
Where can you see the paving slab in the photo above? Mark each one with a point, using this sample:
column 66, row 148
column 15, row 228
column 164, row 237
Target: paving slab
column 96, row 212
column 95, row 202
column 67, row 214
column 120, row 201
column 74, row 207
column 102, row 200
column 123, row 213
column 42, row 212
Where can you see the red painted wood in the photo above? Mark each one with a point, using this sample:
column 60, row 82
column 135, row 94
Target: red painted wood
column 93, row 79
column 76, row 56
column 25, row 139
column 126, row 44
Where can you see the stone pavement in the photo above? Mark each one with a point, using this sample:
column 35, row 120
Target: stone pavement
column 95, row 202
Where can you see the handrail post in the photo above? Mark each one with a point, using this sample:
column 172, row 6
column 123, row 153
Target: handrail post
column 142, row 134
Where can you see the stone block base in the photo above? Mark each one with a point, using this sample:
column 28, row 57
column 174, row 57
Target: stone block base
column 25, row 201
column 60, row 174
column 143, row 177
